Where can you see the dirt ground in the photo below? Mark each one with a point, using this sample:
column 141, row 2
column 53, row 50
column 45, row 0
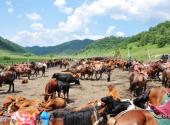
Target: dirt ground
column 88, row 90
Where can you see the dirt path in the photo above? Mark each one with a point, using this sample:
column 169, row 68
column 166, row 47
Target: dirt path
column 88, row 90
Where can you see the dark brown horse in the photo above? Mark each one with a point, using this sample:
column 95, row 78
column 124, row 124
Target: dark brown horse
column 8, row 77
column 86, row 114
column 137, row 80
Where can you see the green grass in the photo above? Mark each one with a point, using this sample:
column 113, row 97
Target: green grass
column 140, row 53
column 7, row 57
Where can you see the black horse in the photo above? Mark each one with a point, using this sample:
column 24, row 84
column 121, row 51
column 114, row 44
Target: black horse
column 66, row 78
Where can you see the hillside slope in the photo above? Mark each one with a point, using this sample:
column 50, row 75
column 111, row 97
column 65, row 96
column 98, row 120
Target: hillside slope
column 8, row 46
column 156, row 40
column 66, row 48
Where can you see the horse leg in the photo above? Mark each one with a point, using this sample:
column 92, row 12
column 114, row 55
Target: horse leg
column 91, row 76
column 59, row 93
column 13, row 89
column 100, row 75
column 9, row 87
column 108, row 79
column 68, row 92
column 96, row 75
column 28, row 76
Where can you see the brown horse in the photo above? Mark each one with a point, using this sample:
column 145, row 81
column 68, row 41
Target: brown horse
column 133, row 117
column 53, row 104
column 23, row 104
column 166, row 77
column 156, row 95
column 8, row 77
column 137, row 80
column 50, row 89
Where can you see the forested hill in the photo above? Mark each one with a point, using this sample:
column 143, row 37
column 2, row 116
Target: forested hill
column 157, row 37
column 66, row 48
column 6, row 45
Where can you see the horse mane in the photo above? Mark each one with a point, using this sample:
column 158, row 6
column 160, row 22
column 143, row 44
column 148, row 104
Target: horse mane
column 69, row 116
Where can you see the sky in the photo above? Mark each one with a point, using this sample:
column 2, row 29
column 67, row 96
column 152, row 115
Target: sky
column 52, row 22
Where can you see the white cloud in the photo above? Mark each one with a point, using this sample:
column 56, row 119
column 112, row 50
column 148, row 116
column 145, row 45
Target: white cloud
column 119, row 17
column 10, row 6
column 110, row 29
column 48, row 37
column 77, row 25
column 86, row 31
column 37, row 26
column 9, row 3
column 120, row 34
column 33, row 16
column 10, row 10
column 61, row 5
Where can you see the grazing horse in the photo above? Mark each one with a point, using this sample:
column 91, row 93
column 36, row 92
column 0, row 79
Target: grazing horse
column 8, row 77
column 133, row 117
column 166, row 78
column 137, row 82
column 54, row 85
column 50, row 89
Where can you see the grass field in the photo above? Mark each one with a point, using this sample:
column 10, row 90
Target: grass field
column 140, row 53
column 7, row 57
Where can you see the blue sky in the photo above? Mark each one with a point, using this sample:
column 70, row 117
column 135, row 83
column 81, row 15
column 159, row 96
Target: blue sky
column 51, row 22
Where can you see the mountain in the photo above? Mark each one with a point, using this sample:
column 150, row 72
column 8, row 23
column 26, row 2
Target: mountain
column 66, row 48
column 9, row 46
column 156, row 39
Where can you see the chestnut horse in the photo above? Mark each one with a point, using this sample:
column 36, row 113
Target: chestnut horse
column 133, row 117
column 50, row 89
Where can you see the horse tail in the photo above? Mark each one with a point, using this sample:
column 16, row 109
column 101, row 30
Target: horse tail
column 164, row 77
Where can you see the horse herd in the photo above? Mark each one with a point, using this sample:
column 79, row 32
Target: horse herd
column 109, row 110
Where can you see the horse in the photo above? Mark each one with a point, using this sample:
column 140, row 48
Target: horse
column 38, row 66
column 137, row 83
column 50, row 89
column 8, row 77
column 166, row 78
column 155, row 96
column 133, row 117
column 86, row 114
column 54, row 85
column 52, row 104
column 69, row 78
